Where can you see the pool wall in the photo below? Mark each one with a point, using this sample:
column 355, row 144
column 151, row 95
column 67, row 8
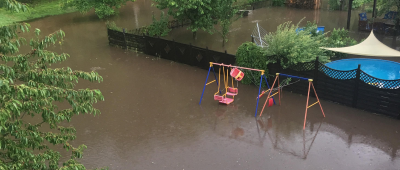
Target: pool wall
column 382, row 69
column 353, row 88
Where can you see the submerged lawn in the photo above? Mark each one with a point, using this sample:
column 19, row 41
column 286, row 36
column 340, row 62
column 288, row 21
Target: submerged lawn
column 39, row 10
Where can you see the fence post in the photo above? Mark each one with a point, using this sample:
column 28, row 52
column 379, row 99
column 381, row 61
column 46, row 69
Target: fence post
column 316, row 70
column 108, row 36
column 279, row 69
column 126, row 45
column 252, row 38
column 174, row 51
column 357, row 83
column 159, row 50
column 192, row 58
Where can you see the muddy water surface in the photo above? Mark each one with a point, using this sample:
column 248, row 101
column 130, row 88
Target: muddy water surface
column 151, row 118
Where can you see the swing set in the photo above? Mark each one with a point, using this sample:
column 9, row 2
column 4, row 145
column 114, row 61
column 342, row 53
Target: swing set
column 310, row 83
column 231, row 91
column 238, row 75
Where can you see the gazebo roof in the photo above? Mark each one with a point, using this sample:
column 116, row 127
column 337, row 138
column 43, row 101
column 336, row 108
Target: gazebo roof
column 369, row 47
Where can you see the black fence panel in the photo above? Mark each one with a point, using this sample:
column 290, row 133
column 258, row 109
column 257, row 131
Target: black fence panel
column 165, row 49
column 135, row 42
column 201, row 57
column 336, row 90
column 379, row 96
column 334, row 85
column 304, row 70
column 151, row 46
column 183, row 53
column 170, row 50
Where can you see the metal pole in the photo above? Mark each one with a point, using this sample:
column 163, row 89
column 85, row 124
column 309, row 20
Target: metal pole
column 349, row 14
column 308, row 98
column 374, row 9
column 216, row 80
column 355, row 91
column 259, row 35
column 259, row 91
column 269, row 88
column 205, row 84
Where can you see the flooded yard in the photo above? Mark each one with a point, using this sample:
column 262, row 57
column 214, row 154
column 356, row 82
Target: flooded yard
column 151, row 118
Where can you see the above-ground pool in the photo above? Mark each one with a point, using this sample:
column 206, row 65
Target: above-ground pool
column 382, row 69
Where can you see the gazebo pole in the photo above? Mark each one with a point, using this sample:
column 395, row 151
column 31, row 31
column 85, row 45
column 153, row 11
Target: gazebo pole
column 349, row 14
column 374, row 9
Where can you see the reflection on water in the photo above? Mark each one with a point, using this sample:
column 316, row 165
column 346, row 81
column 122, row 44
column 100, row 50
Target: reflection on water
column 282, row 145
column 151, row 118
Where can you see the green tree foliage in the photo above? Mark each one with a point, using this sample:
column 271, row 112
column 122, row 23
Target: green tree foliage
column 278, row 2
column 335, row 4
column 384, row 6
column 339, row 38
column 13, row 5
column 103, row 9
column 159, row 27
column 29, row 87
column 293, row 47
column 226, row 14
column 200, row 13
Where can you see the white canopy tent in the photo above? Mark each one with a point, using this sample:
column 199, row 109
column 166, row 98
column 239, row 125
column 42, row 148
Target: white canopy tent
column 369, row 47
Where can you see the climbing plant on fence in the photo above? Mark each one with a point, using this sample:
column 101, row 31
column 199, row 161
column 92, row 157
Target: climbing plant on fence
column 159, row 27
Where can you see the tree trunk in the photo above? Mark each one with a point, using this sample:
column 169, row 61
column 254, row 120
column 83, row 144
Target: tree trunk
column 195, row 35
column 396, row 30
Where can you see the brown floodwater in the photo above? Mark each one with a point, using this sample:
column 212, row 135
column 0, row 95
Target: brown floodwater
column 151, row 118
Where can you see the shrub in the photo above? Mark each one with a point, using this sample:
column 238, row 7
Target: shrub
column 250, row 55
column 293, row 47
column 339, row 38
column 290, row 47
column 278, row 2
column 112, row 26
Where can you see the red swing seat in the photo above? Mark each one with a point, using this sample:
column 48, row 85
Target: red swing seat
column 232, row 91
column 218, row 97
column 237, row 74
column 226, row 101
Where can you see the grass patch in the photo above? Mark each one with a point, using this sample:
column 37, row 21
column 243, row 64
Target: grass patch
column 39, row 10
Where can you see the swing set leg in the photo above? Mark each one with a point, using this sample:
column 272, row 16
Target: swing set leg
column 259, row 91
column 269, row 94
column 308, row 97
column 318, row 99
column 279, row 92
column 205, row 84
column 273, row 99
